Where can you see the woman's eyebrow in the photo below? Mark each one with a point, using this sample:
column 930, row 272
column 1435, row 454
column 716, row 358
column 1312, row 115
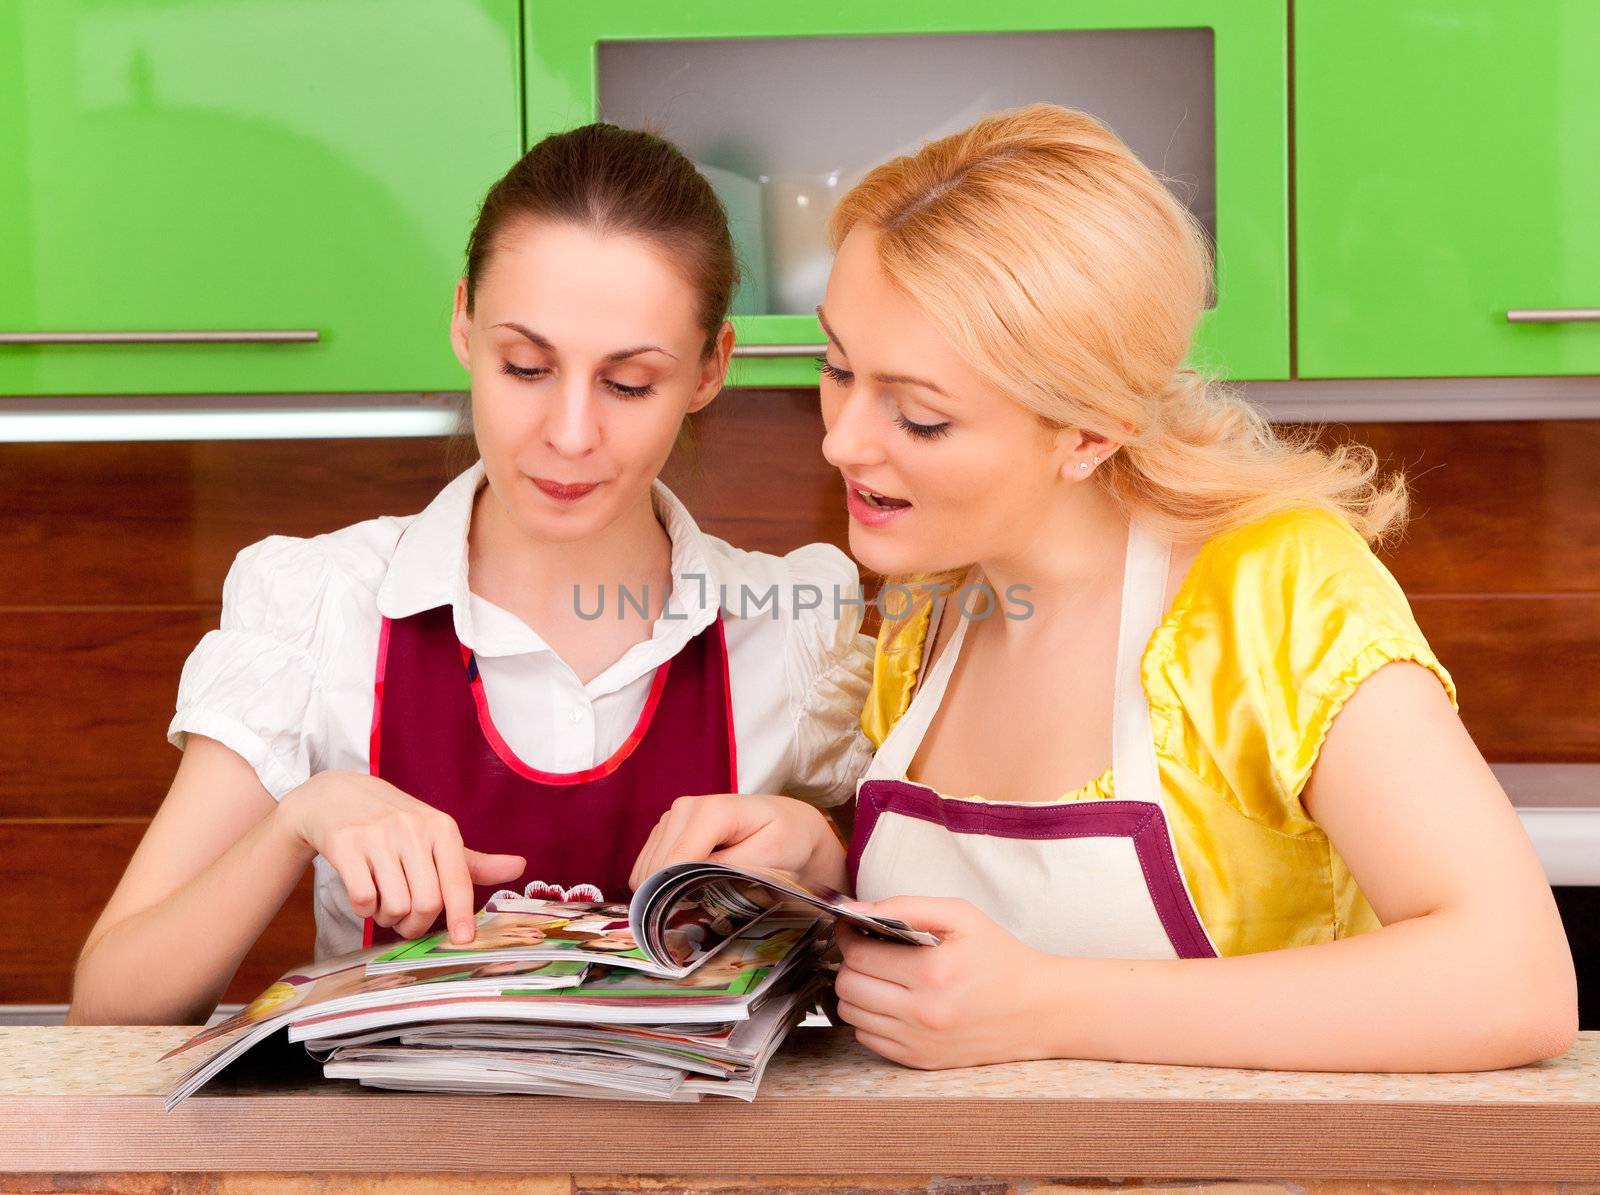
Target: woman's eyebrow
column 905, row 379
column 541, row 341
column 886, row 379
column 619, row 355
column 828, row 332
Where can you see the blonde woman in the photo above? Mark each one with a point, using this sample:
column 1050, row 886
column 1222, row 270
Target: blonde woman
column 1296, row 857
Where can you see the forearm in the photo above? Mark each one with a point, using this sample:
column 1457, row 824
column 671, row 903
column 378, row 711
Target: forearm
column 170, row 963
column 826, row 865
column 1426, row 994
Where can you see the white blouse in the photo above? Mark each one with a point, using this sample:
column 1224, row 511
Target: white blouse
column 287, row 680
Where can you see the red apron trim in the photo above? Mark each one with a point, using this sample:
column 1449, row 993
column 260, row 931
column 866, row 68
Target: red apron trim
column 444, row 749
column 727, row 693
column 377, row 699
column 528, row 771
column 375, row 739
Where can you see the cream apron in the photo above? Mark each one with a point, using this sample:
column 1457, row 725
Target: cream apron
column 1095, row 878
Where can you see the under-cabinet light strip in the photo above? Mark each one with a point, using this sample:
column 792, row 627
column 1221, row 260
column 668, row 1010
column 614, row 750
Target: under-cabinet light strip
column 84, row 425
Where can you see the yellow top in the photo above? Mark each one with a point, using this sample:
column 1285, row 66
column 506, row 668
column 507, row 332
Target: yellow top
column 1273, row 628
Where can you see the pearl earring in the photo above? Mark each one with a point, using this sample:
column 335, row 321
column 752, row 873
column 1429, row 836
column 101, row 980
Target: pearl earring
column 1083, row 464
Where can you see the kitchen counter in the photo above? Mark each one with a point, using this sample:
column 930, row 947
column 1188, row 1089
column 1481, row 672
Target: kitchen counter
column 87, row 1101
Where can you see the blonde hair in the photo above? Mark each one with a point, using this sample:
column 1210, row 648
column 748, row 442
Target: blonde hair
column 1055, row 261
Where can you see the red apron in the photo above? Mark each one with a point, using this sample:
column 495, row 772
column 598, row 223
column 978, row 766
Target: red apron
column 433, row 738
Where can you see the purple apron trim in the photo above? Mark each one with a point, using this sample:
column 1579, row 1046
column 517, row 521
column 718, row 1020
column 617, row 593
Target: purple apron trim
column 1140, row 821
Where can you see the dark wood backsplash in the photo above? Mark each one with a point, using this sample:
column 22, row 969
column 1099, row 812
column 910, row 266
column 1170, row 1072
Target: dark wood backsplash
column 115, row 555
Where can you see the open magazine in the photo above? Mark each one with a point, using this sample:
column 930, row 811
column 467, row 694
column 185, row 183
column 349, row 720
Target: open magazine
column 563, row 997
column 679, row 917
column 341, row 984
column 735, row 896
column 620, row 1034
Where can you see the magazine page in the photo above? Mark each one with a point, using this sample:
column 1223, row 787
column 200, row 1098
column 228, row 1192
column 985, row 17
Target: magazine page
column 343, row 980
column 680, row 917
column 512, row 928
column 690, row 907
column 637, row 1063
column 341, row 983
column 574, row 1039
column 713, row 1042
column 756, row 961
column 745, row 960
column 473, row 1069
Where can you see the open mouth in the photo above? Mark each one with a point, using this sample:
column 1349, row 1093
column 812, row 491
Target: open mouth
column 880, row 501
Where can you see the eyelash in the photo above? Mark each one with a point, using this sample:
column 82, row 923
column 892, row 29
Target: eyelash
column 920, row 431
column 618, row 388
column 923, row 431
column 832, row 372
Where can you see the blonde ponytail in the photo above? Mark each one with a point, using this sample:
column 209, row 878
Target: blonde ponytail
column 1210, row 461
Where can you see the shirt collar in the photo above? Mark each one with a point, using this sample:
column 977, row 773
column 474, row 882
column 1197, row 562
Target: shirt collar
column 429, row 569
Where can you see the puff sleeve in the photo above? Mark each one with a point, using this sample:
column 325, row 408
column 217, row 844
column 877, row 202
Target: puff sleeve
column 828, row 663
column 253, row 683
column 1277, row 626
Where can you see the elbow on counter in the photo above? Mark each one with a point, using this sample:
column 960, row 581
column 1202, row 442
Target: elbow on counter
column 1547, row 1022
column 88, row 1006
column 1523, row 995
column 102, row 998
column 1518, row 1009
column 1551, row 1024
column 1551, row 1033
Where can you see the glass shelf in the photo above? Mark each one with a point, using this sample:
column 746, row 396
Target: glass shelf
column 782, row 126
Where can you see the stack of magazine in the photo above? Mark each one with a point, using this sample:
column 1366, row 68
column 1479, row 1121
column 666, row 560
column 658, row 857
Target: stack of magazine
column 685, row 992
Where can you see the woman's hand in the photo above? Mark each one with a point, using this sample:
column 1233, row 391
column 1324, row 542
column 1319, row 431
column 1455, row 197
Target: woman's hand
column 745, row 830
column 975, row 998
column 401, row 860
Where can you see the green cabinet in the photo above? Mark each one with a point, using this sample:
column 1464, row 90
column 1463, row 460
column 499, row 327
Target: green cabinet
column 1447, row 172
column 280, row 194
column 784, row 106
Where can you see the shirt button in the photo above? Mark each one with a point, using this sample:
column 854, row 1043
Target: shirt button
column 576, row 715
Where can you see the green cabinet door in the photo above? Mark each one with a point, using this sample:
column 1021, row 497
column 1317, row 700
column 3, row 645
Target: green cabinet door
column 207, row 166
column 744, row 59
column 1447, row 172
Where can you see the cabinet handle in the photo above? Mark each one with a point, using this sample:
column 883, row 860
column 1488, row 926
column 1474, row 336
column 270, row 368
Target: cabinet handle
column 779, row 350
column 242, row 336
column 1553, row 315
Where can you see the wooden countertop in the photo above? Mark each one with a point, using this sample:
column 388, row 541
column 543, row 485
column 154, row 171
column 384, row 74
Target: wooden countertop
column 88, row 1099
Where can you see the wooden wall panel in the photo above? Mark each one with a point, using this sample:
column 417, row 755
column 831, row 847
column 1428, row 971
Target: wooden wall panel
column 1498, row 507
column 85, row 697
column 114, row 557
column 760, row 481
column 1525, row 669
column 159, row 524
column 55, row 877
column 1502, row 507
